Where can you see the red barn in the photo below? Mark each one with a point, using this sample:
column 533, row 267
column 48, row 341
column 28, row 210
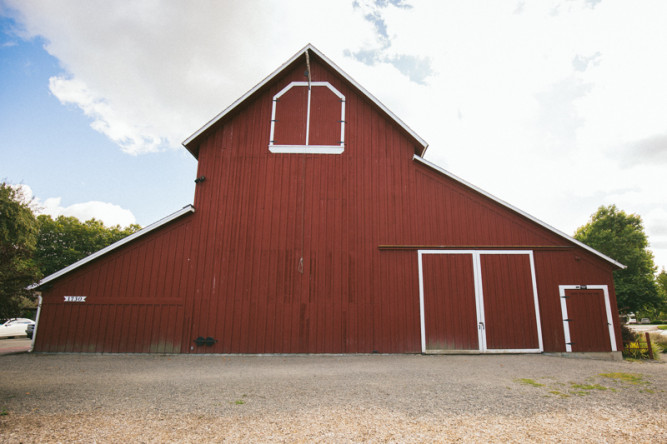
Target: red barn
column 318, row 227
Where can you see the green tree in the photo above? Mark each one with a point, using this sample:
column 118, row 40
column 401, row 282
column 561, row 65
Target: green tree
column 661, row 312
column 65, row 240
column 662, row 283
column 621, row 236
column 18, row 236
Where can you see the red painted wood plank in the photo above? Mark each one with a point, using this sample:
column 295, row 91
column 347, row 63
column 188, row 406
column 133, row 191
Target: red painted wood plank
column 589, row 330
column 508, row 302
column 449, row 302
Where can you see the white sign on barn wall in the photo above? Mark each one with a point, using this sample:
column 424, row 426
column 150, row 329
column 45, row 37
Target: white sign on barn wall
column 75, row 298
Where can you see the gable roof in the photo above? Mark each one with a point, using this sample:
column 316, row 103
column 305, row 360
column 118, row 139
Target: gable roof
column 516, row 210
column 191, row 143
column 155, row 225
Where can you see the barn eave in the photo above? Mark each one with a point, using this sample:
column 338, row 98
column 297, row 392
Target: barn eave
column 126, row 240
column 192, row 142
column 501, row 202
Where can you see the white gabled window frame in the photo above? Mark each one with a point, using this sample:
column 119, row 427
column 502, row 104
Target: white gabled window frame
column 307, row 148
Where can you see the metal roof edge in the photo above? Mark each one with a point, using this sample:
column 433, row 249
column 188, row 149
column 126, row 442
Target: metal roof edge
column 516, row 210
column 241, row 99
column 377, row 102
column 271, row 76
column 165, row 220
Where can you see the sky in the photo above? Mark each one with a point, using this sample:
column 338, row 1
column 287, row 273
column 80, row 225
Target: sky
column 556, row 107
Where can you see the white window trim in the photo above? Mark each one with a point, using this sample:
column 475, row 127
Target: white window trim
column 307, row 148
column 607, row 306
column 479, row 299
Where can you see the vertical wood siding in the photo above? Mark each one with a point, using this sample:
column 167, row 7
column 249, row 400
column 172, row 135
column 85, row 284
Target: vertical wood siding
column 588, row 323
column 291, row 117
column 281, row 255
column 509, row 305
column 449, row 302
column 567, row 268
column 325, row 114
column 134, row 300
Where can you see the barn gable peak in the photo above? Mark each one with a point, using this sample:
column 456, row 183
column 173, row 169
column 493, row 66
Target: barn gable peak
column 192, row 142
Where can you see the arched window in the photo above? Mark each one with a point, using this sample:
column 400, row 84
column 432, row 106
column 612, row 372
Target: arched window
column 308, row 119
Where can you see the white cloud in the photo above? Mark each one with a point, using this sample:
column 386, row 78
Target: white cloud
column 110, row 214
column 149, row 75
column 131, row 137
column 655, row 222
column 556, row 107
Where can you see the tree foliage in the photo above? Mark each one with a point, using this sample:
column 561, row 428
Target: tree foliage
column 621, row 236
column 31, row 248
column 660, row 312
column 18, row 237
column 662, row 283
column 65, row 240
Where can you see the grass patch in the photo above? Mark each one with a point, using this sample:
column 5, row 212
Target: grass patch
column 528, row 381
column 588, row 386
column 662, row 327
column 579, row 392
column 239, row 402
column 630, row 378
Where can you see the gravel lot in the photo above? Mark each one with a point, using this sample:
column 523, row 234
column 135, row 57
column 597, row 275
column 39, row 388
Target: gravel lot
column 377, row 398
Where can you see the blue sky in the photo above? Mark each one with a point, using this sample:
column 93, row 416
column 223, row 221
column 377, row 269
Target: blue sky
column 52, row 148
column 556, row 107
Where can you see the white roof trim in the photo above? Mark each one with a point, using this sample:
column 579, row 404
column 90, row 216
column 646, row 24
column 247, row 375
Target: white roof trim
column 308, row 47
column 516, row 210
column 165, row 220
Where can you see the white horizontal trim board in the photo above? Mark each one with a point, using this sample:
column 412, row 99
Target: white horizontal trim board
column 479, row 299
column 516, row 210
column 607, row 306
column 306, row 149
column 165, row 220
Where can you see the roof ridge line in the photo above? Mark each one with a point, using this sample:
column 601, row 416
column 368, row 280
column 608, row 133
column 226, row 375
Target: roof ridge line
column 271, row 76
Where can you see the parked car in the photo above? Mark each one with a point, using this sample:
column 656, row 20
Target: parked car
column 15, row 327
column 645, row 321
column 30, row 330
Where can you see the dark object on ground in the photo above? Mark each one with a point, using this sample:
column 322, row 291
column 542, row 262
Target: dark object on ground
column 29, row 330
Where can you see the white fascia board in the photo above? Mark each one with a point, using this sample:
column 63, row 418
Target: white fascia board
column 370, row 96
column 271, row 76
column 516, row 210
column 165, row 220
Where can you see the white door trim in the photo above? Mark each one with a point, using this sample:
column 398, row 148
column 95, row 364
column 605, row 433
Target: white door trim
column 479, row 297
column 607, row 306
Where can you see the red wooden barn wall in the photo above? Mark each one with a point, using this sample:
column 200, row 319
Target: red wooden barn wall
column 135, row 299
column 232, row 270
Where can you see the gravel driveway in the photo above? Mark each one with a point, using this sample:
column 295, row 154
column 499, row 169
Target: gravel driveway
column 377, row 398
